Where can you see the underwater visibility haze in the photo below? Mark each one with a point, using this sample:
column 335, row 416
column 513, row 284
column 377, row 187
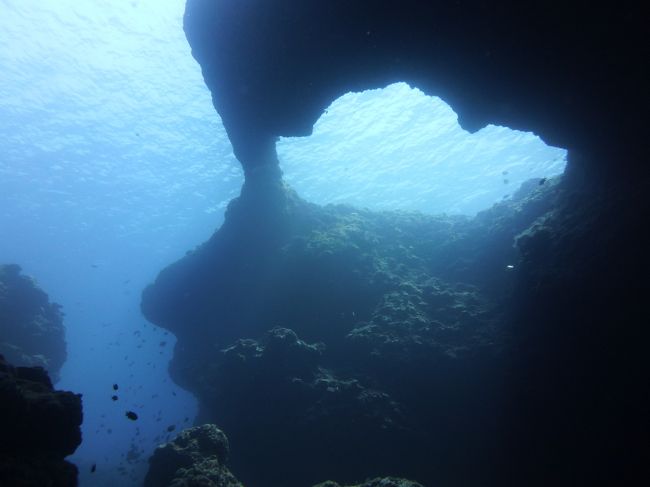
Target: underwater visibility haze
column 348, row 298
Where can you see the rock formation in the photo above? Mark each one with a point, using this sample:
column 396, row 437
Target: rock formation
column 391, row 327
column 197, row 456
column 40, row 427
column 31, row 328
column 507, row 349
column 570, row 72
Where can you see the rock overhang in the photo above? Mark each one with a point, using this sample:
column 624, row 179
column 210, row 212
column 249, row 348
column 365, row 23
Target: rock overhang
column 568, row 73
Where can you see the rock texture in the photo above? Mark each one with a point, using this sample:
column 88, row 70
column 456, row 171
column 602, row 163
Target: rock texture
column 509, row 349
column 40, row 427
column 196, row 457
column 31, row 327
column 338, row 336
column 570, row 72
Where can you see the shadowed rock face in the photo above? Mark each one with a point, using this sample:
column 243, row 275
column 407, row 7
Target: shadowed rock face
column 31, row 328
column 410, row 333
column 197, row 456
column 570, row 72
column 392, row 328
column 40, row 427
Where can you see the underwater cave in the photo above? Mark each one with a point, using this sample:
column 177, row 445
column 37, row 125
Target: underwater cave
column 435, row 269
column 447, row 349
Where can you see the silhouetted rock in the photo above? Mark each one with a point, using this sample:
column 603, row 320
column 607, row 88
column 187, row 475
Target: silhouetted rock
column 197, row 456
column 31, row 328
column 273, row 68
column 40, row 427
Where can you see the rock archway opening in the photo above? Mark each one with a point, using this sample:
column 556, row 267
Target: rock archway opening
column 398, row 149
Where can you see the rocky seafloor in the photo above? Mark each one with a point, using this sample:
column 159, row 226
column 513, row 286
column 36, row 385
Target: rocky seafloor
column 198, row 457
column 372, row 343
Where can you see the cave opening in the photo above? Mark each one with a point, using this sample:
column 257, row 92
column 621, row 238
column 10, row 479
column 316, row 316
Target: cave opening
column 396, row 148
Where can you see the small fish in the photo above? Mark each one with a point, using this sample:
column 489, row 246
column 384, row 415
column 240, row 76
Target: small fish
column 93, row 468
column 163, row 343
column 504, row 173
column 542, row 181
column 115, row 387
column 510, row 267
column 94, row 266
column 171, row 428
column 505, row 181
column 131, row 415
column 114, row 398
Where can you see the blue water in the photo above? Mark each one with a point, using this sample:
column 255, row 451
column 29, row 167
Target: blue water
column 113, row 164
column 398, row 148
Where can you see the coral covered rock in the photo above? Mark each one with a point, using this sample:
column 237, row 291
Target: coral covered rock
column 40, row 427
column 279, row 386
column 31, row 327
column 196, row 457
column 335, row 336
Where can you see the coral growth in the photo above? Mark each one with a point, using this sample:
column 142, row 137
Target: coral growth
column 197, row 456
column 335, row 335
column 31, row 327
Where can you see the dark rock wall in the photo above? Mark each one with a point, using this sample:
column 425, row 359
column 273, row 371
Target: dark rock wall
column 581, row 331
column 40, row 427
column 31, row 327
